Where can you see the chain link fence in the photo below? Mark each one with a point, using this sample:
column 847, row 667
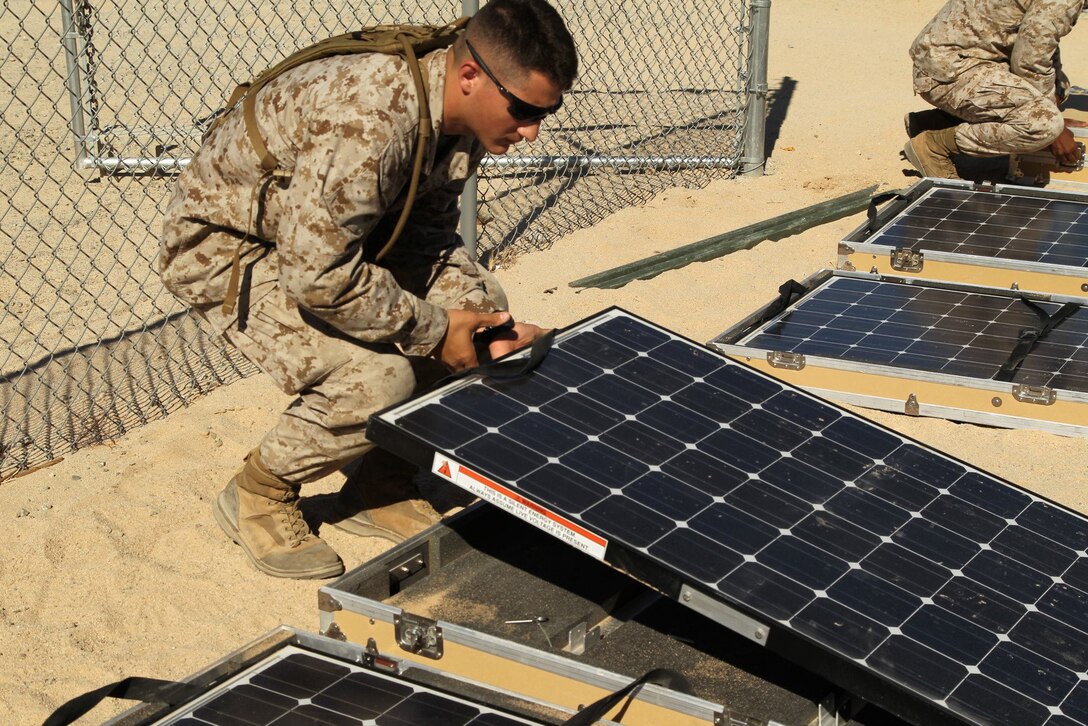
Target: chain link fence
column 105, row 103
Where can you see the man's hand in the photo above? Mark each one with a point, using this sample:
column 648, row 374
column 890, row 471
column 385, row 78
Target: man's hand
column 456, row 349
column 1065, row 148
column 519, row 336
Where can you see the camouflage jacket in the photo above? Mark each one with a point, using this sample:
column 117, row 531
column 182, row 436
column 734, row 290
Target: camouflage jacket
column 345, row 128
column 1022, row 34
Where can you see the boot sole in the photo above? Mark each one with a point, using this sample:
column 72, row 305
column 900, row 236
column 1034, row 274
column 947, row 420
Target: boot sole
column 231, row 530
column 363, row 530
column 912, row 157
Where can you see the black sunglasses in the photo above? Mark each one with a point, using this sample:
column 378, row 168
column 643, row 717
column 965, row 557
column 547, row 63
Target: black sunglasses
column 519, row 110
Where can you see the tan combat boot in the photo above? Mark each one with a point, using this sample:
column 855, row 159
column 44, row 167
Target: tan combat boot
column 260, row 512
column 379, row 500
column 931, row 153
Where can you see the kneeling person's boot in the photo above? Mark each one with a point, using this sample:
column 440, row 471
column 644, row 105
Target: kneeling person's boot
column 260, row 513
column 930, row 152
column 379, row 500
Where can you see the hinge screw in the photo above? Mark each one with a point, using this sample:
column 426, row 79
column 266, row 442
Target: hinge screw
column 760, row 633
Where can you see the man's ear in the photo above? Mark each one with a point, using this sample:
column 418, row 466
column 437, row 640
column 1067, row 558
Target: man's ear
column 468, row 75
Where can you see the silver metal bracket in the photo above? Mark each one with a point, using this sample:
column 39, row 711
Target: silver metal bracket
column 783, row 359
column 404, row 573
column 722, row 614
column 845, row 251
column 417, row 634
column 334, row 632
column 911, row 406
column 326, row 603
column 1041, row 395
column 907, row 260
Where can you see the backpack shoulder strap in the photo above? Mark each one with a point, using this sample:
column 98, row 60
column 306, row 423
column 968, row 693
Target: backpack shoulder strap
column 386, row 39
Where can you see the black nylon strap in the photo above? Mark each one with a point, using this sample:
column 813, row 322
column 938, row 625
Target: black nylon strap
column 788, row 292
column 1030, row 337
column 148, row 690
column 875, row 201
column 595, row 711
column 511, row 367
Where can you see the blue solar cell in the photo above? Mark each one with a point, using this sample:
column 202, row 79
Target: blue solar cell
column 984, row 700
column 854, row 635
column 918, row 667
column 764, row 589
column 948, row 633
column 874, row 597
column 803, row 562
column 908, row 570
column 642, row 442
column 562, row 487
column 697, row 555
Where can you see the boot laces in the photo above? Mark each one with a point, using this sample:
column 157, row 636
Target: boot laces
column 294, row 520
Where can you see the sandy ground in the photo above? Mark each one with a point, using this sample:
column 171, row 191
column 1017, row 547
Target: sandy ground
column 111, row 564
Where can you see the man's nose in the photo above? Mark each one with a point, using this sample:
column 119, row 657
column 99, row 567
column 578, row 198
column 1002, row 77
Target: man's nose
column 529, row 132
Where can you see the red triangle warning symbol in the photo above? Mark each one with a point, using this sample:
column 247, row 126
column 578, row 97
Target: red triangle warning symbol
column 444, row 470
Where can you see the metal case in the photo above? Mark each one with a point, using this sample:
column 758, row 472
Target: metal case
column 905, row 390
column 486, row 597
column 226, row 681
column 865, row 250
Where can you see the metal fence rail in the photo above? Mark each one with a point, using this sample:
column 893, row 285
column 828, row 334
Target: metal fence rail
column 106, row 101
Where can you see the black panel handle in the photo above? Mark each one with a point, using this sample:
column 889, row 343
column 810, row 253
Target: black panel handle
column 148, row 690
column 595, row 711
column 1030, row 337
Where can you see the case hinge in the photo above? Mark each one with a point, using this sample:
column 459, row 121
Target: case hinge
column 907, row 260
column 1041, row 395
column 334, row 632
column 845, row 251
column 417, row 634
column 783, row 359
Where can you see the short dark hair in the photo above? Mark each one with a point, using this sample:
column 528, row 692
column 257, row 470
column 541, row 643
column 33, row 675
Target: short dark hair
column 526, row 35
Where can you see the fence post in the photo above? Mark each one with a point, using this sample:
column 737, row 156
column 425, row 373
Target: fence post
column 72, row 81
column 468, row 196
column 753, row 155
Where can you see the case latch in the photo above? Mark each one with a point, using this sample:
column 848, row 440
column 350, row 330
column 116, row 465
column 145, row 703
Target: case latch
column 907, row 260
column 417, row 634
column 1041, row 395
column 784, row 359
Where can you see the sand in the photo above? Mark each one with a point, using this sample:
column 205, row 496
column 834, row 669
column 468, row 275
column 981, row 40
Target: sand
column 111, row 564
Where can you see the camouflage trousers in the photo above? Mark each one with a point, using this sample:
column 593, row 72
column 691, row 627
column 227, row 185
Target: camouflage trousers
column 338, row 380
column 1004, row 113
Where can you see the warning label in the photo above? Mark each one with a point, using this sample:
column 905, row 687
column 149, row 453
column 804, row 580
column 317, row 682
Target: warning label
column 512, row 502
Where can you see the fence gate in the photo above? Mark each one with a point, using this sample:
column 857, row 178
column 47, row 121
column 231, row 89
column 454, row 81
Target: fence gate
column 106, row 101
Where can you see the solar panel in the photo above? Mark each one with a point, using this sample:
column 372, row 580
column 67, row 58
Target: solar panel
column 920, row 583
column 308, row 689
column 1001, row 225
column 931, row 329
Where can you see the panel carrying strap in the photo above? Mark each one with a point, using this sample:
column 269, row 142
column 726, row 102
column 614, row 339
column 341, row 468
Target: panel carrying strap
column 510, row 367
column 595, row 711
column 788, row 293
column 1030, row 337
column 876, row 200
column 147, row 690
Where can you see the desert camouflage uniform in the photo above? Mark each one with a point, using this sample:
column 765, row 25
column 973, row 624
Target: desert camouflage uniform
column 315, row 313
column 996, row 65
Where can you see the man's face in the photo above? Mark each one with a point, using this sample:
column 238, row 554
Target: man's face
column 491, row 110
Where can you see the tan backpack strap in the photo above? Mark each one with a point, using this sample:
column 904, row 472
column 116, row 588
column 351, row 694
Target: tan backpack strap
column 249, row 111
column 422, row 136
